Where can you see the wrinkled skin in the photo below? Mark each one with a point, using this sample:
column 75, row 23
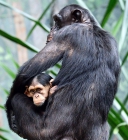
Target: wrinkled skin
column 86, row 83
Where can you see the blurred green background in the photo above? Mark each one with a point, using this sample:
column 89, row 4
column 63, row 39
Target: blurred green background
column 24, row 26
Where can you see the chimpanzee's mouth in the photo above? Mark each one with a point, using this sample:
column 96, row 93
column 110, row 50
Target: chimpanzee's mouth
column 39, row 103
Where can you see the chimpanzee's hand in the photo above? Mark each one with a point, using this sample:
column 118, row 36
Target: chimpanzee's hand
column 14, row 126
column 52, row 90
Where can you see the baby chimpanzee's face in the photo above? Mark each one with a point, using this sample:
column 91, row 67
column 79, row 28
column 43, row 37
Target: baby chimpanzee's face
column 38, row 92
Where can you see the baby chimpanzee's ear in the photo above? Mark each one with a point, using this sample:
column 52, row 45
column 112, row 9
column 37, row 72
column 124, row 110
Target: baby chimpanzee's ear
column 27, row 92
column 51, row 81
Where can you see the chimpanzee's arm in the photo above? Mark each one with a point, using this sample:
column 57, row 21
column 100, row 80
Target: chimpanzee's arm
column 28, row 119
column 46, row 58
column 43, row 60
column 14, row 125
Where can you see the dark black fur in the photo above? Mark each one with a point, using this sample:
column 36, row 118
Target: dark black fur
column 87, row 81
column 42, row 78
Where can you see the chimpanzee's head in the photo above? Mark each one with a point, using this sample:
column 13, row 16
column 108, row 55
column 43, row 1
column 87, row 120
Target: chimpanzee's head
column 39, row 88
column 69, row 15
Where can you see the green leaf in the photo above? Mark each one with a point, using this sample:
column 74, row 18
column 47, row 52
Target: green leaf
column 58, row 66
column 42, row 15
column 10, row 72
column 121, row 4
column 124, row 59
column 115, row 131
column 3, row 130
column 125, row 100
column 5, row 4
column 118, row 118
column 12, row 59
column 17, row 40
column 6, row 91
column 110, row 7
column 52, row 72
column 118, row 25
column 15, row 63
column 121, row 105
column 114, row 123
column 124, row 71
column 1, row 106
column 3, row 138
column 44, row 27
column 124, row 27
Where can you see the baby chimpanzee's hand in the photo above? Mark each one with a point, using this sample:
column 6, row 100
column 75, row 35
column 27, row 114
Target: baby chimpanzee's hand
column 52, row 90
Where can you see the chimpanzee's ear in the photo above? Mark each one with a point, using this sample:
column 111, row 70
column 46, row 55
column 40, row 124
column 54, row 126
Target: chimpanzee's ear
column 51, row 81
column 26, row 91
column 77, row 15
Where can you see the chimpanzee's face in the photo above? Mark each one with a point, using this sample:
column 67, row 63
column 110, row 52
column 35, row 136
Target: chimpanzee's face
column 38, row 92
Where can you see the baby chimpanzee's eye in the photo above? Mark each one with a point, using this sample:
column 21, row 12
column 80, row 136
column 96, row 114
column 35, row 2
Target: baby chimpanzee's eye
column 38, row 89
column 32, row 91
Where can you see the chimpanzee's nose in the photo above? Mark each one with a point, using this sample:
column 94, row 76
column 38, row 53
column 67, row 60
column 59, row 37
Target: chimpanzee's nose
column 37, row 95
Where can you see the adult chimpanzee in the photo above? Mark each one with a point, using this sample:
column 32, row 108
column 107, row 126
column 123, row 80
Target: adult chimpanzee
column 87, row 81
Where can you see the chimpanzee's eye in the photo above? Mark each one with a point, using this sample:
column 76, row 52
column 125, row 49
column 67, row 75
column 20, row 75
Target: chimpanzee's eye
column 38, row 89
column 32, row 91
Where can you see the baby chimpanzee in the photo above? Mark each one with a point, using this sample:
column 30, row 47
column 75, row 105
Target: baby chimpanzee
column 40, row 88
